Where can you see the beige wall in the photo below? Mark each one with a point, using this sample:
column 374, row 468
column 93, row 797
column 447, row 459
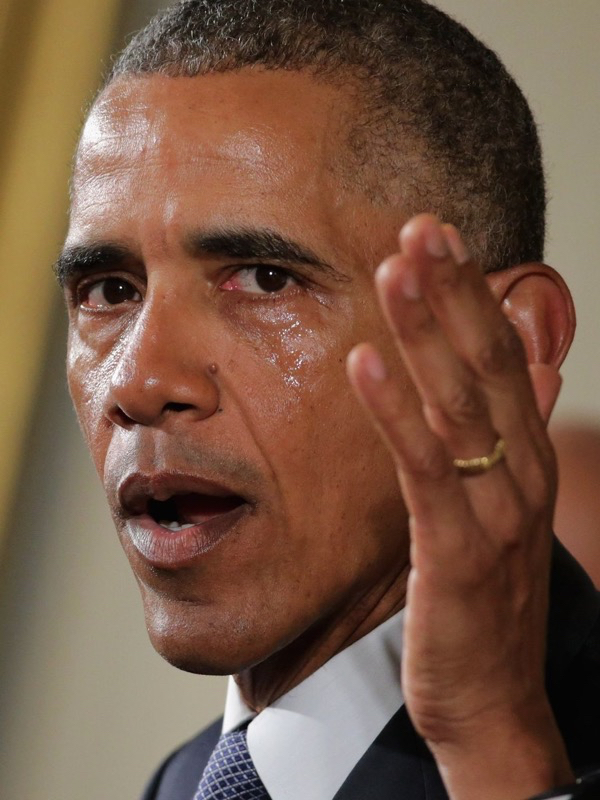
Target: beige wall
column 41, row 96
column 552, row 48
column 87, row 707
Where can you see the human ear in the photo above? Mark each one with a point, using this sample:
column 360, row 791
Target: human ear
column 538, row 302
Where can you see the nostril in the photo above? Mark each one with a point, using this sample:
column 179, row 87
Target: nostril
column 120, row 418
column 178, row 407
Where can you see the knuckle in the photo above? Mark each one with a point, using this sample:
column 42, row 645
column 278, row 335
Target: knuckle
column 447, row 281
column 540, row 491
column 429, row 464
column 511, row 524
column 498, row 356
column 522, row 516
column 538, row 483
column 463, row 404
column 419, row 328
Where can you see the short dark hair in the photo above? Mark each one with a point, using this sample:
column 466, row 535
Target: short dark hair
column 426, row 86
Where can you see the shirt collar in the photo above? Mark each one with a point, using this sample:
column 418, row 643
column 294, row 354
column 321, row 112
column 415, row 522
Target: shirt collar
column 307, row 742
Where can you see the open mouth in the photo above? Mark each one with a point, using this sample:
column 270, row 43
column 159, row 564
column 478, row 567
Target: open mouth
column 183, row 511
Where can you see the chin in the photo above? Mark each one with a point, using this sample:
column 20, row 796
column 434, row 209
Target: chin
column 204, row 642
column 195, row 663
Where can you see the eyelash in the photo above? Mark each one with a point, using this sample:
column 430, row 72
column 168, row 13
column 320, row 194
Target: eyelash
column 83, row 289
column 282, row 272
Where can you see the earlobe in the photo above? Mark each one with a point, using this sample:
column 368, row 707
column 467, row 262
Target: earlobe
column 538, row 302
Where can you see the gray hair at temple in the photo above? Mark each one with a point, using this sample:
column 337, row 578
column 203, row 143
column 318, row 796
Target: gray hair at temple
column 439, row 126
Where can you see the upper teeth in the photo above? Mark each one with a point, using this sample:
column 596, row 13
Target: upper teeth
column 175, row 526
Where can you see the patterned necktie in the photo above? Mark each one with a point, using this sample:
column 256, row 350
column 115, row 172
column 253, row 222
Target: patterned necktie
column 230, row 773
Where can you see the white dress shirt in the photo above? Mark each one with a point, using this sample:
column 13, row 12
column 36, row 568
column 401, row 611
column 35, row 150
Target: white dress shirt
column 308, row 741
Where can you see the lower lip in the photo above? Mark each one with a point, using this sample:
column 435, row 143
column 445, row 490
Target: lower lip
column 167, row 549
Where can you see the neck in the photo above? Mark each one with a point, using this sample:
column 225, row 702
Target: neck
column 264, row 683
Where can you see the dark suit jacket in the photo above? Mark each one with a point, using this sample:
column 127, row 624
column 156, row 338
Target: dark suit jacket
column 398, row 763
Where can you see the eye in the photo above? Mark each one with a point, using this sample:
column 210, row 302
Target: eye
column 261, row 279
column 107, row 293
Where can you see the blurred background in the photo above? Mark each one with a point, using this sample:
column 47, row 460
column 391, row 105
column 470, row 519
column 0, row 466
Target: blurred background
column 87, row 709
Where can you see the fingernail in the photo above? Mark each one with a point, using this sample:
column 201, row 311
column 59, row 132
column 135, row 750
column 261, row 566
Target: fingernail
column 457, row 247
column 435, row 242
column 375, row 366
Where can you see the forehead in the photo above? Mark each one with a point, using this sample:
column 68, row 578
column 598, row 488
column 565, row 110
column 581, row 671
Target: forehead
column 268, row 123
column 248, row 147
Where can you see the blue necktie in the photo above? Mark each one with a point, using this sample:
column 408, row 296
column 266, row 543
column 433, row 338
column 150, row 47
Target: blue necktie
column 230, row 773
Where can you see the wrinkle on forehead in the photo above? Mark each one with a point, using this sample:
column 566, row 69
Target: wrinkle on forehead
column 255, row 148
column 108, row 124
column 138, row 141
column 219, row 117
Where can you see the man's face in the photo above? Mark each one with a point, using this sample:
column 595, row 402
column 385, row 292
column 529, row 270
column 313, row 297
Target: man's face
column 219, row 271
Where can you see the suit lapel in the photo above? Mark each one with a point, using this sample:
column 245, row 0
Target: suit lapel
column 179, row 776
column 574, row 610
column 397, row 765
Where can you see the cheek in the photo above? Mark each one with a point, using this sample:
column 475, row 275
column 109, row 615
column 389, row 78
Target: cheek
column 291, row 369
column 324, row 454
column 89, row 377
column 299, row 357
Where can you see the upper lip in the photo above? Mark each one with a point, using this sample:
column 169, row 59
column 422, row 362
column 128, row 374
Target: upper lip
column 137, row 489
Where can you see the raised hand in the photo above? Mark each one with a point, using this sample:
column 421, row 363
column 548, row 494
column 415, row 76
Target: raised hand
column 477, row 602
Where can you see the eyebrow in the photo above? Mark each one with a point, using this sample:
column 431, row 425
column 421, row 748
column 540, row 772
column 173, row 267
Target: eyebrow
column 79, row 259
column 246, row 244
column 255, row 244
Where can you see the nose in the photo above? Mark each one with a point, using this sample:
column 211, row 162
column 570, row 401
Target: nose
column 163, row 368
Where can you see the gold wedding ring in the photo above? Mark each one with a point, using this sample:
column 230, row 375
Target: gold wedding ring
column 475, row 466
